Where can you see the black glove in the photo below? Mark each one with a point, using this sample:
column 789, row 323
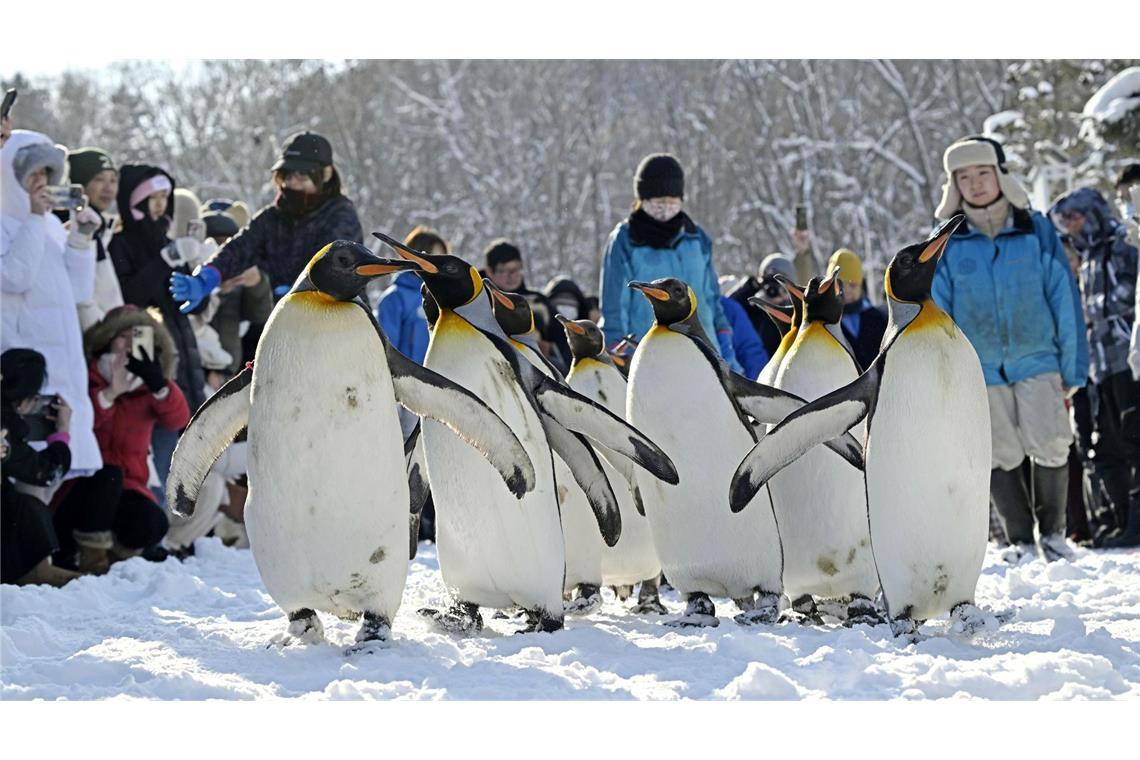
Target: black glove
column 148, row 370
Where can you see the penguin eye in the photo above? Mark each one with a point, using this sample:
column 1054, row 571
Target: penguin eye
column 343, row 260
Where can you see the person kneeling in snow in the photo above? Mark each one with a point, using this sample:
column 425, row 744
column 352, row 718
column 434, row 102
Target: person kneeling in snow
column 113, row 515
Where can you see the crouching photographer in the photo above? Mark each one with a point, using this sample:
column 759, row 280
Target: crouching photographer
column 27, row 537
column 113, row 515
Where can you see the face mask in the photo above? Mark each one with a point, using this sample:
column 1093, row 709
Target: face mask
column 568, row 310
column 661, row 211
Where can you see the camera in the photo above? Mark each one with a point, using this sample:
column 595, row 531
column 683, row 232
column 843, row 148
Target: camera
column 41, row 420
column 66, row 197
column 771, row 289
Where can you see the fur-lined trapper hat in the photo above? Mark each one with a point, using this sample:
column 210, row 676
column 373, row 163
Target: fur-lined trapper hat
column 99, row 336
column 977, row 151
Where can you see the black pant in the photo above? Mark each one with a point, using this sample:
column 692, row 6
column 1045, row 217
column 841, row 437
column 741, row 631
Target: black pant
column 100, row 503
column 26, row 534
column 1116, row 453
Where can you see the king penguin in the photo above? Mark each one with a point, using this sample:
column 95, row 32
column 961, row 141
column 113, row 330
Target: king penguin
column 927, row 443
column 821, row 504
column 633, row 559
column 683, row 395
column 327, row 505
column 494, row 551
column 787, row 321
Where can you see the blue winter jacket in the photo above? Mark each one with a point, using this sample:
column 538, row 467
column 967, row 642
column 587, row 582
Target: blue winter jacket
column 624, row 310
column 401, row 314
column 1016, row 299
column 750, row 351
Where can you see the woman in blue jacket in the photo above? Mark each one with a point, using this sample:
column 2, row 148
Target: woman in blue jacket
column 1005, row 280
column 656, row 240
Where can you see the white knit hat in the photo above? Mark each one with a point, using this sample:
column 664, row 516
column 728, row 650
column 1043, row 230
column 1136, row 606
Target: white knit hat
column 977, row 151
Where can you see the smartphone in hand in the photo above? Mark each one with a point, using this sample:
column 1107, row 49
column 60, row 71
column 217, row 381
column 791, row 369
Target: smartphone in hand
column 142, row 339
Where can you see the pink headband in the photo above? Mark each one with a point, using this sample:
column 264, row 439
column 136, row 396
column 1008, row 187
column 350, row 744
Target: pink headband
column 149, row 187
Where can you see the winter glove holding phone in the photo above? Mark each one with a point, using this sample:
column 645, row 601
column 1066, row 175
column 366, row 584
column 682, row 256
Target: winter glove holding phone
column 148, row 370
column 180, row 252
column 83, row 223
column 194, row 288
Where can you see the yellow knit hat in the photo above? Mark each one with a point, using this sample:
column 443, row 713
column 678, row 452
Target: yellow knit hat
column 850, row 268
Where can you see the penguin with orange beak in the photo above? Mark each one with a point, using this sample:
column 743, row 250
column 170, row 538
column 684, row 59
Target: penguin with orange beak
column 928, row 449
column 683, row 394
column 327, row 511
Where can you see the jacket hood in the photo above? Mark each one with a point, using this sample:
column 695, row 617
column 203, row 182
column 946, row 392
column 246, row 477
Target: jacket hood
column 26, row 151
column 563, row 285
column 130, row 177
column 99, row 335
column 1100, row 222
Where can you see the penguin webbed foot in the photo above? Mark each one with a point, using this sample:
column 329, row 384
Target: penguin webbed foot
column 649, row 598
column 375, row 634
column 700, row 612
column 587, row 598
column 863, row 611
column 541, row 621
column 304, row 628
column 967, row 619
column 461, row 617
column 802, row 611
column 906, row 628
column 761, row 609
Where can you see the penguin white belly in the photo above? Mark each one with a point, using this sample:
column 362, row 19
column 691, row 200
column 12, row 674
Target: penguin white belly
column 582, row 539
column 634, row 558
column 328, row 499
column 494, row 550
column 928, row 470
column 677, row 400
column 820, row 500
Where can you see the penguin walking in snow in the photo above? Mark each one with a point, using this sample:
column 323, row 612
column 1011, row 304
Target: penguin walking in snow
column 496, row 551
column 328, row 496
column 633, row 559
column 927, row 444
column 583, row 518
column 820, row 503
column 683, row 395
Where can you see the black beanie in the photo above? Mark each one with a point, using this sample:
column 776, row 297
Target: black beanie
column 500, row 252
column 659, row 175
column 85, row 163
column 24, row 372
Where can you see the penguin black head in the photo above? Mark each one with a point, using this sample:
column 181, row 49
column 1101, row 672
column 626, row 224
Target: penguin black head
column 823, row 299
column 450, row 280
column 342, row 268
column 431, row 308
column 780, row 314
column 672, row 300
column 911, row 271
column 512, row 311
column 585, row 338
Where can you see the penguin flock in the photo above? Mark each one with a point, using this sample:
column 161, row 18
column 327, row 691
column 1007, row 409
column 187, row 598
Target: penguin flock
column 812, row 487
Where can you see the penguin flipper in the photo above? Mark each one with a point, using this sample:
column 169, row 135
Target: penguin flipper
column 575, row 412
column 212, row 428
column 430, row 394
column 812, row 424
column 418, row 487
column 586, row 468
column 771, row 405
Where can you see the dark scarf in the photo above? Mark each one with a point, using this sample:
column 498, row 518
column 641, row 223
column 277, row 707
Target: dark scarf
column 148, row 234
column 296, row 204
column 645, row 230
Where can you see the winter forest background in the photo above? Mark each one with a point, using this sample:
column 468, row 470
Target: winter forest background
column 544, row 151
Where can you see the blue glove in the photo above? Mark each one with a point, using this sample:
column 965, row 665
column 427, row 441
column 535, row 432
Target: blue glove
column 194, row 288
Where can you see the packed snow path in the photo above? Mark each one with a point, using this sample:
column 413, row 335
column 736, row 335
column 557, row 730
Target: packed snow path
column 199, row 630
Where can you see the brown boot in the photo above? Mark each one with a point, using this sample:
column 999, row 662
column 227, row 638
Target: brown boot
column 48, row 574
column 118, row 552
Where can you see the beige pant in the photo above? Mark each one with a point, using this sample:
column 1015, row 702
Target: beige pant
column 1029, row 418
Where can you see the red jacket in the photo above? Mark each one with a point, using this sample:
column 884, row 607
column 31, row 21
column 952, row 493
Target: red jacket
column 124, row 430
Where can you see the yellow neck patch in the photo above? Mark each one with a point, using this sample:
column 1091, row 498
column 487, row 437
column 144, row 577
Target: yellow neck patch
column 931, row 317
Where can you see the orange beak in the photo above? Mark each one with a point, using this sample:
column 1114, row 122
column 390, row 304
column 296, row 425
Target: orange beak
column 570, row 325
column 938, row 243
column 408, row 253
column 650, row 291
column 505, row 302
column 825, row 286
column 776, row 313
column 388, row 267
column 793, row 290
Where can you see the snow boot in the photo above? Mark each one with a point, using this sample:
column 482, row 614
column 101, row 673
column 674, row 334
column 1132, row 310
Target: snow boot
column 1050, row 493
column 1011, row 500
column 46, row 573
column 93, row 548
column 1131, row 535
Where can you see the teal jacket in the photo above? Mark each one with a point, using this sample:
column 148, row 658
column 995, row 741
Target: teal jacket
column 1016, row 299
column 624, row 310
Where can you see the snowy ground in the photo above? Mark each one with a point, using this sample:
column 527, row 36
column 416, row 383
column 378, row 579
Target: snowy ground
column 199, row 629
